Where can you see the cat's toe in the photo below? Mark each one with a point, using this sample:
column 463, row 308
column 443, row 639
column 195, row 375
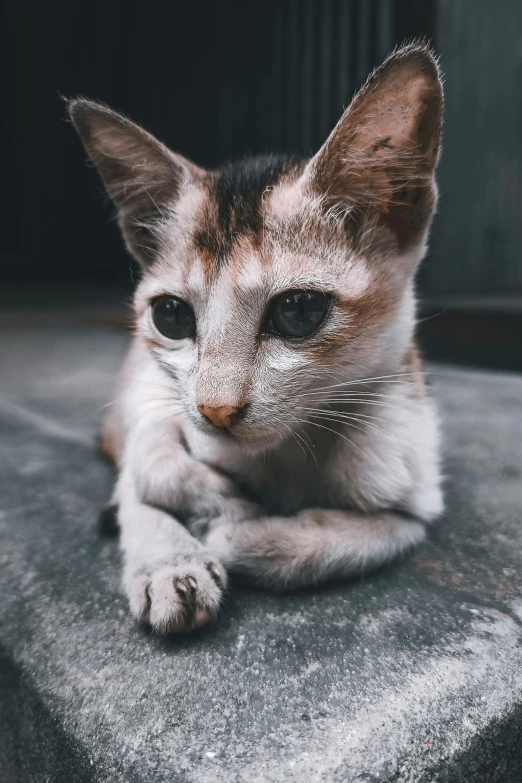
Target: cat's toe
column 217, row 572
column 177, row 597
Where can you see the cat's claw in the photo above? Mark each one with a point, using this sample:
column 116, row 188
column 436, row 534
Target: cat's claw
column 176, row 596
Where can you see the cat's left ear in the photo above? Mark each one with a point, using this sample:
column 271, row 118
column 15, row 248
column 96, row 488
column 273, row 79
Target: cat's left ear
column 141, row 175
column 382, row 154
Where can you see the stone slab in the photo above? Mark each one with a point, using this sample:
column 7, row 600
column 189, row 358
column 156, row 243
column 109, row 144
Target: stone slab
column 410, row 674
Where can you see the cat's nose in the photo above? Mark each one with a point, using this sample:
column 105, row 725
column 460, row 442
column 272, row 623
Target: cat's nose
column 223, row 415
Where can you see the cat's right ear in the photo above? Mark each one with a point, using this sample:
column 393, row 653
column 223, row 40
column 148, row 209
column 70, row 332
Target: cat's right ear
column 382, row 153
column 141, row 175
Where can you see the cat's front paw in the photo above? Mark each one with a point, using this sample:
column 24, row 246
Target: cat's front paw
column 176, row 596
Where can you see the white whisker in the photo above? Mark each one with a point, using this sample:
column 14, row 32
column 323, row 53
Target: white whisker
column 362, row 381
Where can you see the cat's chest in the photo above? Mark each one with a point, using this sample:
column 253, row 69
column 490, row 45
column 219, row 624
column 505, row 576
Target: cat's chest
column 287, row 480
column 288, row 491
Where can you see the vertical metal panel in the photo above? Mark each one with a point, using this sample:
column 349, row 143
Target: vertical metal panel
column 290, row 89
column 477, row 241
column 329, row 47
column 326, row 71
column 309, row 66
column 276, row 80
column 363, row 42
column 384, row 30
column 344, row 82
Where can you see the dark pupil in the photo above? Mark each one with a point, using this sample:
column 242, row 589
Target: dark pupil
column 298, row 313
column 173, row 318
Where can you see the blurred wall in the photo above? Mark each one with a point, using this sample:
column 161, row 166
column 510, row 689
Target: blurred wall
column 218, row 80
column 477, row 241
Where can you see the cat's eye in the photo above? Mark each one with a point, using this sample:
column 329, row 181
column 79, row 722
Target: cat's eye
column 297, row 313
column 173, row 318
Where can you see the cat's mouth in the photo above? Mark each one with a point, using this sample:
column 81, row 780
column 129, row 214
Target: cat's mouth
column 218, row 434
column 248, row 438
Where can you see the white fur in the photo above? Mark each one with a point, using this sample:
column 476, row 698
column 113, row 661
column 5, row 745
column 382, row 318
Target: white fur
column 388, row 460
column 333, row 466
column 321, row 483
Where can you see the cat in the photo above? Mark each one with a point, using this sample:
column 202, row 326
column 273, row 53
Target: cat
column 272, row 416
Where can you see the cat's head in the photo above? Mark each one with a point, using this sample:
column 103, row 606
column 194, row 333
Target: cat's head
column 272, row 278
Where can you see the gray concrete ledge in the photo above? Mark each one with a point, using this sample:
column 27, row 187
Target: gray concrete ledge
column 412, row 674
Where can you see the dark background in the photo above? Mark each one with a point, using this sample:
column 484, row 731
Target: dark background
column 219, row 80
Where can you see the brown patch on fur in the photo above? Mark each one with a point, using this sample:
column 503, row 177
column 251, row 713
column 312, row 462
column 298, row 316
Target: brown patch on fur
column 150, row 342
column 206, row 236
column 382, row 153
column 376, row 304
column 373, row 308
column 408, row 212
column 232, row 214
column 321, row 518
column 111, row 440
column 412, row 363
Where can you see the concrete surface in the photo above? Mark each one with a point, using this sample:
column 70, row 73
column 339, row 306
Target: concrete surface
column 412, row 674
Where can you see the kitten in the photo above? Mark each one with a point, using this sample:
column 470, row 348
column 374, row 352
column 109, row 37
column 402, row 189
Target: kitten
column 272, row 417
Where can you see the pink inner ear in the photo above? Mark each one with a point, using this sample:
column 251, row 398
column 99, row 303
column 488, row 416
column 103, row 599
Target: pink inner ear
column 395, row 119
column 387, row 140
column 128, row 158
column 141, row 175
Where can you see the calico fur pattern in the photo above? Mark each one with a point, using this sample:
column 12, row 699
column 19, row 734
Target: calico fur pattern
column 331, row 464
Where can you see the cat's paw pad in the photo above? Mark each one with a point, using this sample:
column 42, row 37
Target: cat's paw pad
column 177, row 596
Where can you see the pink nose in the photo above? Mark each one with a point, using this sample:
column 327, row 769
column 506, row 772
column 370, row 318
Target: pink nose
column 221, row 416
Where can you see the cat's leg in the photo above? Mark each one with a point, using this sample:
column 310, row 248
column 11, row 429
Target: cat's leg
column 171, row 580
column 312, row 546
